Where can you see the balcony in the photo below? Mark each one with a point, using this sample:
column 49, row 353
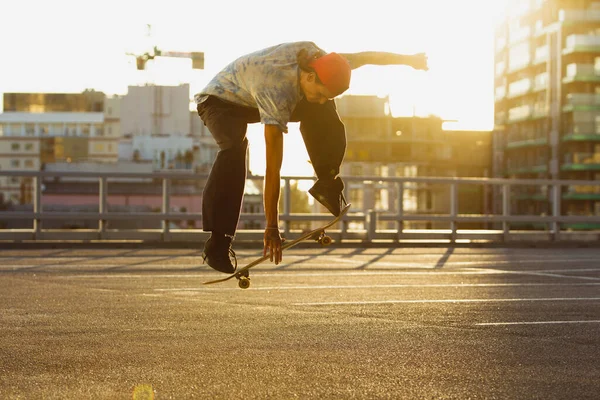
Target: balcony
column 520, row 113
column 519, row 143
column 572, row 17
column 582, row 192
column 519, row 35
column 581, row 161
column 522, row 168
column 542, row 54
column 582, row 73
column 582, row 44
column 582, row 102
column 518, row 65
column 527, row 112
column 540, row 82
column 519, row 88
column 500, row 93
column 582, row 132
column 538, row 193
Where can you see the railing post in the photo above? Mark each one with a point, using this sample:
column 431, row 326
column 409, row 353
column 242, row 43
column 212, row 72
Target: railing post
column 102, row 206
column 37, row 206
column 344, row 221
column 556, row 206
column 371, row 223
column 506, row 210
column 166, row 186
column 453, row 210
column 287, row 206
column 400, row 214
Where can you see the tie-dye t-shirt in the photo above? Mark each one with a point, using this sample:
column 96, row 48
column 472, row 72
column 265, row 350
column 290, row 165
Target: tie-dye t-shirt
column 268, row 79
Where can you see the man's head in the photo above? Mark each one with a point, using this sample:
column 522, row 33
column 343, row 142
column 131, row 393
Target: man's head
column 327, row 77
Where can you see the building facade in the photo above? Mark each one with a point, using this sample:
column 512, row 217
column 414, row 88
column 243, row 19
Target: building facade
column 28, row 141
column 154, row 110
column 150, row 124
column 379, row 145
column 547, row 102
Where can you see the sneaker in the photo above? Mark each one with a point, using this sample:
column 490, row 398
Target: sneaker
column 218, row 254
column 329, row 193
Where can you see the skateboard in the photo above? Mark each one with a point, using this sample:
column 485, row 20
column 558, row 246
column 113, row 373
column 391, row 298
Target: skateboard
column 243, row 275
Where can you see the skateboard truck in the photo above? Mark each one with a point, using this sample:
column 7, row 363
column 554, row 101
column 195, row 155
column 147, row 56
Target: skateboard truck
column 243, row 275
column 243, row 278
column 322, row 238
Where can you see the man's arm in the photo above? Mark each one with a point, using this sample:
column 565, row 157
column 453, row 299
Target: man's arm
column 356, row 60
column 274, row 155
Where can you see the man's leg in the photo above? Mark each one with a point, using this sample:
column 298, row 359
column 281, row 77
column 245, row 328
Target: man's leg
column 324, row 135
column 224, row 191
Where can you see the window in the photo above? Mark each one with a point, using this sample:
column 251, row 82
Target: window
column 43, row 130
column 98, row 130
column 406, row 170
column 29, row 129
column 71, row 130
column 381, row 170
column 85, row 130
column 15, row 129
column 15, row 146
column 356, row 170
column 29, row 146
column 356, row 198
column 56, row 129
column 15, row 163
column 29, row 163
column 381, row 199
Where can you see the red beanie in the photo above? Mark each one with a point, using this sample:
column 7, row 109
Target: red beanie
column 333, row 71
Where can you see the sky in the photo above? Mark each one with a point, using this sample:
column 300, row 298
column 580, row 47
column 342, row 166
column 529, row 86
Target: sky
column 71, row 45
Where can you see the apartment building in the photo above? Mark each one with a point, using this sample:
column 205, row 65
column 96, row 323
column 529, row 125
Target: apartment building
column 547, row 102
column 379, row 145
column 41, row 128
column 30, row 140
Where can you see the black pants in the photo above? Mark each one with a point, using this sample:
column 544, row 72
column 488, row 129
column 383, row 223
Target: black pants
column 322, row 131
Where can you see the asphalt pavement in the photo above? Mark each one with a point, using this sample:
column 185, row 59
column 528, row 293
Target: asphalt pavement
column 340, row 323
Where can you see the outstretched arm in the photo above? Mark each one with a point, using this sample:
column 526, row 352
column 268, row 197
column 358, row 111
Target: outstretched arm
column 417, row 61
column 274, row 152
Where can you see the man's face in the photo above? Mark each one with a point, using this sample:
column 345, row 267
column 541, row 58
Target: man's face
column 314, row 91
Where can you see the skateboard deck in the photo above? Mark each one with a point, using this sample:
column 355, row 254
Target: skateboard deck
column 318, row 234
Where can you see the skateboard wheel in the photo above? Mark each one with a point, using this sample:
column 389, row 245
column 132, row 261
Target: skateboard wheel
column 244, row 283
column 326, row 240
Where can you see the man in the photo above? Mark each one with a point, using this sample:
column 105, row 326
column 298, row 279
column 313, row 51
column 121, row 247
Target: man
column 290, row 82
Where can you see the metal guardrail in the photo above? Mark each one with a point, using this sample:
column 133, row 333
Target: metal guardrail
column 370, row 233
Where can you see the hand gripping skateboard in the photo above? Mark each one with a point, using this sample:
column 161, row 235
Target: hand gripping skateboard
column 243, row 275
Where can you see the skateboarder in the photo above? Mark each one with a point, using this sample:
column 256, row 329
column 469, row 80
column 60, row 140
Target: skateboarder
column 290, row 82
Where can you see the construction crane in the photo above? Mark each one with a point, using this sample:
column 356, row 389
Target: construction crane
column 196, row 57
column 141, row 60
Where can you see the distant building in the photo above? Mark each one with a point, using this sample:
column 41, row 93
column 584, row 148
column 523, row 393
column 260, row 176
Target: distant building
column 154, row 110
column 165, row 152
column 30, row 140
column 381, row 145
column 150, row 123
column 135, row 194
column 547, row 103
column 88, row 101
